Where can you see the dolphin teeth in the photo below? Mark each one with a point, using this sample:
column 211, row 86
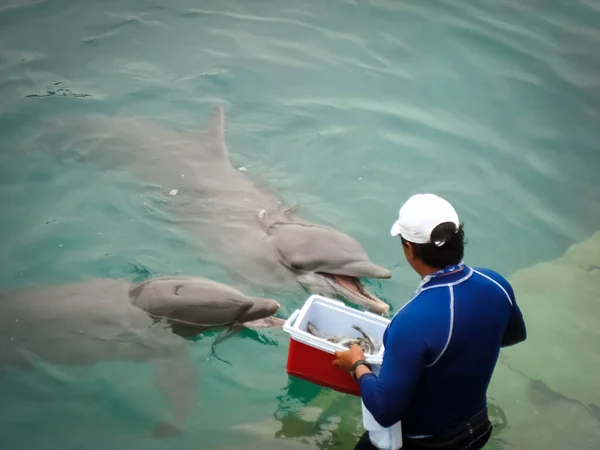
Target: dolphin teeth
column 353, row 285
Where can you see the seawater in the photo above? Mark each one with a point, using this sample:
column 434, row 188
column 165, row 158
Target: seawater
column 342, row 107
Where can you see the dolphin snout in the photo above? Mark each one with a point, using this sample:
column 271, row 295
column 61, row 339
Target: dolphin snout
column 362, row 269
column 274, row 305
column 267, row 306
column 381, row 272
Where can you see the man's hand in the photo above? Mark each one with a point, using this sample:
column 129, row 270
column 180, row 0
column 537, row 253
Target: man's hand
column 346, row 359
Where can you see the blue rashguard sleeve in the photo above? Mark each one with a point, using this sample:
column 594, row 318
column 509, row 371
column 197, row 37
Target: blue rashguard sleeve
column 386, row 396
column 516, row 331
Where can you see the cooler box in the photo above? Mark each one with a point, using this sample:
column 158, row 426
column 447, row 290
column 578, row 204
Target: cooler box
column 311, row 358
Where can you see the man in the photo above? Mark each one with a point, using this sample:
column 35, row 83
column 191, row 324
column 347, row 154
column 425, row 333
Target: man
column 442, row 346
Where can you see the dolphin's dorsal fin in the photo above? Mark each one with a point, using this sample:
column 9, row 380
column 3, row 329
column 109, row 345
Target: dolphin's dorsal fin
column 213, row 138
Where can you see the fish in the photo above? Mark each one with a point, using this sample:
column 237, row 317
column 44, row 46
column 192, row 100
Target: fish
column 367, row 342
column 314, row 331
column 369, row 339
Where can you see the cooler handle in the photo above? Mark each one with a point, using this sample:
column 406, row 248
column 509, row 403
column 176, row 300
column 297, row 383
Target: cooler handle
column 287, row 326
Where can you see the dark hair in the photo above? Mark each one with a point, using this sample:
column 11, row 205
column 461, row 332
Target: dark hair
column 449, row 252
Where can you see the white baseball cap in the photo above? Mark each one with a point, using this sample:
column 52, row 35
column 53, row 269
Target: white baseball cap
column 420, row 215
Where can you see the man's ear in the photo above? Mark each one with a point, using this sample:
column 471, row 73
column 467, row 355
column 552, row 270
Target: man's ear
column 411, row 251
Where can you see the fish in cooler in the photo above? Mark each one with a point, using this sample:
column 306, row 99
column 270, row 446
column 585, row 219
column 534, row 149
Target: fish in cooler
column 367, row 342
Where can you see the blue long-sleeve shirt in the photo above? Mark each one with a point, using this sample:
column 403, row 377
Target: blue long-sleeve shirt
column 440, row 351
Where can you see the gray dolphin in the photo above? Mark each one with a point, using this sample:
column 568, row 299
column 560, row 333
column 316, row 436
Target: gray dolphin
column 113, row 320
column 191, row 305
column 262, row 242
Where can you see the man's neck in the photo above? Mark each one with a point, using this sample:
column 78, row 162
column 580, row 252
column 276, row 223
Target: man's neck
column 425, row 270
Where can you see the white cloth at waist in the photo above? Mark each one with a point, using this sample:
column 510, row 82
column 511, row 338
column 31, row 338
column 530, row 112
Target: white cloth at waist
column 383, row 438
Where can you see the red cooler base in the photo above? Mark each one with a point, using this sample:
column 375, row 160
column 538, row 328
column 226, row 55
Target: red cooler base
column 316, row 366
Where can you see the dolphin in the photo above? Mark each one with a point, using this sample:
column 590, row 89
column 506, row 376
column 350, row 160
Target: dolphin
column 105, row 320
column 262, row 242
column 191, row 305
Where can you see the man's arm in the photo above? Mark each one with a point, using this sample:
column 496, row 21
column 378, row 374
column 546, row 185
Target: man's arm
column 387, row 395
column 516, row 330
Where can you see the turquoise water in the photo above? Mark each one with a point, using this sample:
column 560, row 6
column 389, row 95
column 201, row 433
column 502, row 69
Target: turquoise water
column 345, row 108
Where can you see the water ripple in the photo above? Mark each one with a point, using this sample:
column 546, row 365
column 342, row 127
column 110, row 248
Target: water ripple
column 325, row 32
column 256, row 47
column 432, row 118
column 123, row 21
column 13, row 5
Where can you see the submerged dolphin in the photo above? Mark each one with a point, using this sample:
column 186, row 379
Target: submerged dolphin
column 112, row 320
column 191, row 305
column 263, row 243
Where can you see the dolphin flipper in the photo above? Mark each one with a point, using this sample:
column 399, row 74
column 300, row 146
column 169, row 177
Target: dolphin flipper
column 177, row 381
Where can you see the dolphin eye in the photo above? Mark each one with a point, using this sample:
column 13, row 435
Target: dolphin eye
column 303, row 265
column 296, row 266
column 177, row 289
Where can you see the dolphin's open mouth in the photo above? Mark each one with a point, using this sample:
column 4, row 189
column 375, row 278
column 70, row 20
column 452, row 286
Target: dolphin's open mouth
column 353, row 285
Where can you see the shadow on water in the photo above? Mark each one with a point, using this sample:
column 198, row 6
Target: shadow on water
column 318, row 416
column 500, row 421
column 325, row 419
